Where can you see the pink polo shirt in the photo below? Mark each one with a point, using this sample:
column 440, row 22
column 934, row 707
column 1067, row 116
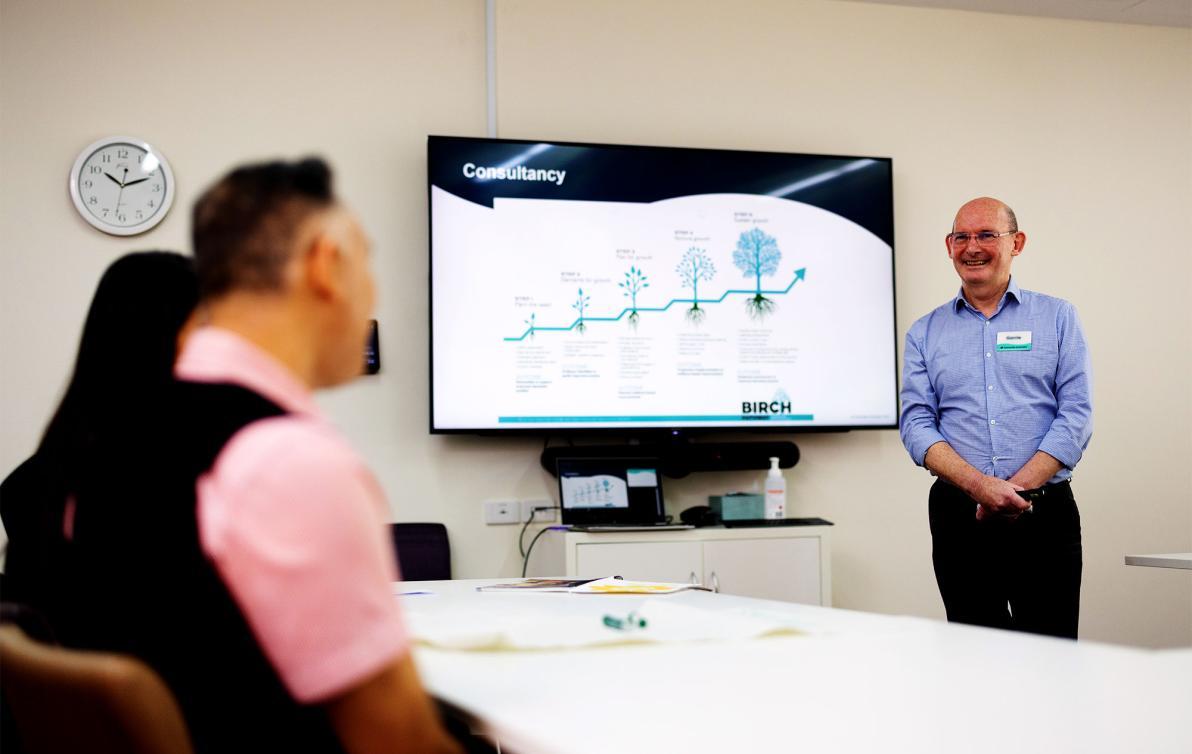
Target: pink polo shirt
column 296, row 526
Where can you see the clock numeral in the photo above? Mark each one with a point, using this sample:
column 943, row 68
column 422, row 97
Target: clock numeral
column 106, row 158
column 156, row 188
column 93, row 200
column 122, row 153
column 151, row 204
column 140, row 215
column 95, row 169
column 105, row 213
column 121, row 217
column 87, row 183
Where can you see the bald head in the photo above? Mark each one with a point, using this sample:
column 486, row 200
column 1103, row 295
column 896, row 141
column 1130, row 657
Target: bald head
column 984, row 206
column 983, row 243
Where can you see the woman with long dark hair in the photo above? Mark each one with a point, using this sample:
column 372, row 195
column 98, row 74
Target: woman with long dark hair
column 126, row 354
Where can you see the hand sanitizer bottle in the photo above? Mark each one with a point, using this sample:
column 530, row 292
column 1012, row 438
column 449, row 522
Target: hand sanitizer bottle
column 775, row 492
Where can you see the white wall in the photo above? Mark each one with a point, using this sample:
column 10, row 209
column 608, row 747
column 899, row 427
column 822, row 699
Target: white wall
column 1085, row 128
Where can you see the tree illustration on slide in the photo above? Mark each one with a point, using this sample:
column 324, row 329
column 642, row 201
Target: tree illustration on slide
column 635, row 281
column 757, row 254
column 694, row 267
column 580, row 304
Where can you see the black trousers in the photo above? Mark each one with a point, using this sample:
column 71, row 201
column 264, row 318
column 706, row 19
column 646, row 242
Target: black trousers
column 1022, row 575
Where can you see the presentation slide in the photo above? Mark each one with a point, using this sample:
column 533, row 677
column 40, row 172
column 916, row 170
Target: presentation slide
column 706, row 310
column 596, row 491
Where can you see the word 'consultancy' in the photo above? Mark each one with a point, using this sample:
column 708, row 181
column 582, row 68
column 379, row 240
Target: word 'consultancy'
column 515, row 173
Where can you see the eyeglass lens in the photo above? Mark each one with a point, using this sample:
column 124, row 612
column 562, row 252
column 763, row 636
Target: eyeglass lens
column 984, row 238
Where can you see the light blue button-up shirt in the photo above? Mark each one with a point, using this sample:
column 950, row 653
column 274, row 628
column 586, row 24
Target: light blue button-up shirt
column 996, row 408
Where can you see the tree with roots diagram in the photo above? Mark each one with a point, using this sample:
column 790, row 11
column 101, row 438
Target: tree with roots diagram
column 757, row 254
column 635, row 282
column 580, row 304
column 694, row 267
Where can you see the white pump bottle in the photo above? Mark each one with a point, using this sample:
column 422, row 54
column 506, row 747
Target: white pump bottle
column 775, row 492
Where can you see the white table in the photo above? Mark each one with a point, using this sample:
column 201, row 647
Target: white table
column 854, row 682
column 1167, row 560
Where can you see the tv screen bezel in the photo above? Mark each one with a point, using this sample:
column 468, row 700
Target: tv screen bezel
column 652, row 434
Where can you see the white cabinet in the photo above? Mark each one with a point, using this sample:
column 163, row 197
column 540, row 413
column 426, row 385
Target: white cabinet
column 786, row 563
column 784, row 569
column 653, row 561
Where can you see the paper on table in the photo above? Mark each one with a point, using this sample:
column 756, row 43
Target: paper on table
column 472, row 629
column 622, row 586
column 608, row 585
column 537, row 585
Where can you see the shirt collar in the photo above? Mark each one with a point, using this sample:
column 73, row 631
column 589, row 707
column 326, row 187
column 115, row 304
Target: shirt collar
column 1012, row 291
column 213, row 354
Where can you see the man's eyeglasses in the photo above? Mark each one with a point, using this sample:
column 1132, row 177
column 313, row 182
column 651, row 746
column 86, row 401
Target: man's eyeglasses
column 984, row 238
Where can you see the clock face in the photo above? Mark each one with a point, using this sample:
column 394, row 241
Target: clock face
column 122, row 186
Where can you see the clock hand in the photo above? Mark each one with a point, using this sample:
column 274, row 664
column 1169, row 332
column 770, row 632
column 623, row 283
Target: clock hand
column 120, row 193
column 130, row 183
column 113, row 180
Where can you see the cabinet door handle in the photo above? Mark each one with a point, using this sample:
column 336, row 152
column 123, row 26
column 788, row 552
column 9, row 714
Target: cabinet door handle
column 715, row 583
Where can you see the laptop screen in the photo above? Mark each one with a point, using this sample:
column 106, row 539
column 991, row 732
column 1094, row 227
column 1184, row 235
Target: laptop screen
column 610, row 491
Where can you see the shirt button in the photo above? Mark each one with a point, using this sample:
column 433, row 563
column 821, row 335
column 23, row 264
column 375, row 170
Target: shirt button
column 993, row 421
column 987, row 354
column 991, row 387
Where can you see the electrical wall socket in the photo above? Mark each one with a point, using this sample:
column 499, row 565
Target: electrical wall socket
column 500, row 512
column 541, row 517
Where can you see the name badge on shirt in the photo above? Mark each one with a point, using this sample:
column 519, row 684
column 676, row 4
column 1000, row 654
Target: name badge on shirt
column 1014, row 341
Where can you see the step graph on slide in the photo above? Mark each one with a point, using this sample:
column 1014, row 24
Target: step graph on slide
column 756, row 255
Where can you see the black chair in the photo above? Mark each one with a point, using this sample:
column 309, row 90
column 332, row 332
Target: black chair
column 423, row 553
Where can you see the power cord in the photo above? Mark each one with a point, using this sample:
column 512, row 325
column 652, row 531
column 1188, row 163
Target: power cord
column 521, row 550
column 526, row 561
column 525, row 553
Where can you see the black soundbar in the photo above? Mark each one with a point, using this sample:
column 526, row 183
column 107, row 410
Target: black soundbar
column 678, row 459
column 761, row 523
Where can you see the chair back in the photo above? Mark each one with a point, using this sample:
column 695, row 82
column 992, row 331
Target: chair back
column 65, row 700
column 423, row 553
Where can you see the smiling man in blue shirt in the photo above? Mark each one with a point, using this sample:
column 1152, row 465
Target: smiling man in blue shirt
column 996, row 402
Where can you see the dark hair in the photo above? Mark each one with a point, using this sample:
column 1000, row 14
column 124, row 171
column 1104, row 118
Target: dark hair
column 244, row 226
column 127, row 348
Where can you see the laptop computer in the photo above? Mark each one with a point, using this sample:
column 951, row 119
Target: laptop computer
column 612, row 494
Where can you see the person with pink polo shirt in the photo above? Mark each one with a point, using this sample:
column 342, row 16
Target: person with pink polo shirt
column 232, row 537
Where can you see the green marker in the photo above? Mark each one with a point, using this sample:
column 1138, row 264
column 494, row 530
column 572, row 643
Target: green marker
column 633, row 620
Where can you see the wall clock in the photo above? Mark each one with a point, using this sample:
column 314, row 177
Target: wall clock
column 122, row 185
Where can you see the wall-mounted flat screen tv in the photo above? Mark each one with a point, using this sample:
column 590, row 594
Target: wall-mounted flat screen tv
column 609, row 288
